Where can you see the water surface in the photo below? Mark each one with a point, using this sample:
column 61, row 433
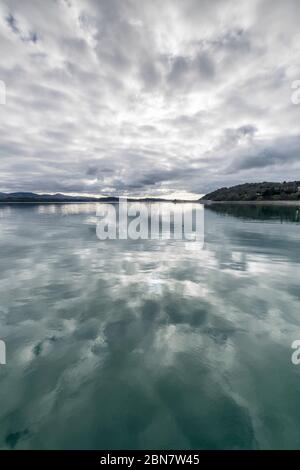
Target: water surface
column 151, row 344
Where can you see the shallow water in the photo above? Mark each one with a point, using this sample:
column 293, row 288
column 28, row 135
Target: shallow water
column 151, row 344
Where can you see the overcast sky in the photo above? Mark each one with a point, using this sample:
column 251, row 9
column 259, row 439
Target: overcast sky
column 155, row 97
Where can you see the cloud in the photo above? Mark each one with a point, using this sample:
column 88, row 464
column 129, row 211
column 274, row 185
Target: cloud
column 281, row 153
column 27, row 36
column 147, row 97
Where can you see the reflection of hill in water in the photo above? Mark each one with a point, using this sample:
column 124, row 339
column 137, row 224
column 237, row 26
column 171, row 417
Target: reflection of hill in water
column 258, row 212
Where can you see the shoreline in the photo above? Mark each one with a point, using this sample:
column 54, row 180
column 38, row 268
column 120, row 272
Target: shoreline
column 253, row 203
column 203, row 202
column 99, row 202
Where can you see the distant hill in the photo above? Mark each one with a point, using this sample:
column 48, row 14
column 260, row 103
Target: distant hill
column 32, row 197
column 287, row 191
column 23, row 197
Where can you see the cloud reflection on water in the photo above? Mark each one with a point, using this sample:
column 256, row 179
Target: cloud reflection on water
column 147, row 344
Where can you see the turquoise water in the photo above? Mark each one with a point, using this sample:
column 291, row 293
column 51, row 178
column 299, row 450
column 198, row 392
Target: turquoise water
column 149, row 344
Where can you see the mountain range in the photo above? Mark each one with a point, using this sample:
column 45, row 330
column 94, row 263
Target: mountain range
column 27, row 197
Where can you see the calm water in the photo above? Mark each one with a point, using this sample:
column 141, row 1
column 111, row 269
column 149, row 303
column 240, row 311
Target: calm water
column 149, row 344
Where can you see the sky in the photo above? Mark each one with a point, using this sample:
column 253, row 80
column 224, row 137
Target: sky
column 148, row 97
